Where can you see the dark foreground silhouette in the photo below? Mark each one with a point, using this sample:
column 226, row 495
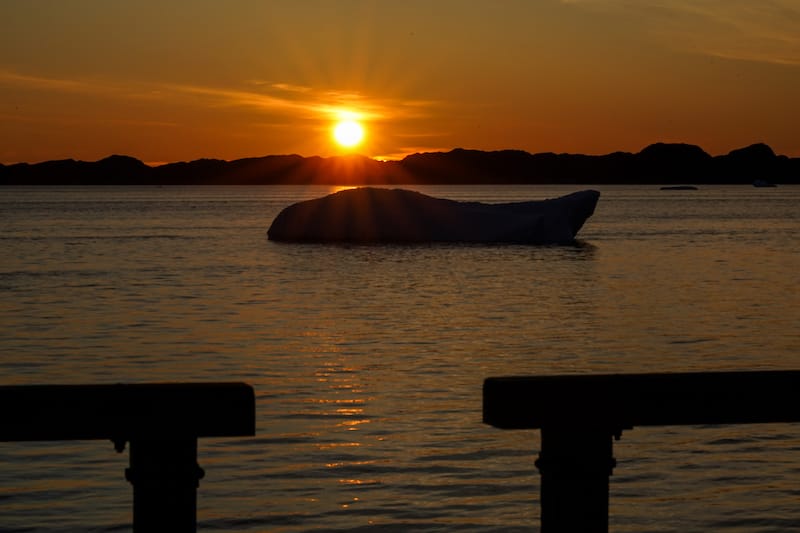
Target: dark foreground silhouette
column 373, row 215
column 161, row 421
column 579, row 415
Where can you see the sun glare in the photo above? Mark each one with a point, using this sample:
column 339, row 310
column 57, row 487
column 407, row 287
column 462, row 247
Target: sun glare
column 348, row 133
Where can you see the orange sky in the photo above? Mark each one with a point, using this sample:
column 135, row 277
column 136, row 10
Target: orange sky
column 168, row 81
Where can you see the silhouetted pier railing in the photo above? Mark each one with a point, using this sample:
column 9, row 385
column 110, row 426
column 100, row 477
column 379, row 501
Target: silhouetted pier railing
column 162, row 423
column 579, row 414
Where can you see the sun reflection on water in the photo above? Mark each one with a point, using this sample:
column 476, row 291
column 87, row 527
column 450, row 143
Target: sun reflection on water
column 346, row 448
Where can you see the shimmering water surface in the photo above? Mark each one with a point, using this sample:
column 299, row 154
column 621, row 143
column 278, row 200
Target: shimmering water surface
column 368, row 361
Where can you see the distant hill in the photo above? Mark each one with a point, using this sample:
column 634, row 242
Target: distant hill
column 659, row 163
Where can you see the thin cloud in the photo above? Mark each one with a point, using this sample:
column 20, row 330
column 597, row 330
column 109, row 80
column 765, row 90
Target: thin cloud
column 764, row 31
column 290, row 88
column 309, row 103
column 73, row 121
column 752, row 31
column 8, row 77
column 94, row 87
column 269, row 97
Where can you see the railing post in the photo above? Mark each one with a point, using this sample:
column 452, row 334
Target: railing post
column 161, row 421
column 165, row 476
column 579, row 414
column 575, row 464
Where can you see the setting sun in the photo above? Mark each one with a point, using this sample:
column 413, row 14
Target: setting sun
column 348, row 133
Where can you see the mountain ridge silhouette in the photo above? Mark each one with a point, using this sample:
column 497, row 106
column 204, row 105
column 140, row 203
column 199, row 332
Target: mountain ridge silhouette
column 659, row 163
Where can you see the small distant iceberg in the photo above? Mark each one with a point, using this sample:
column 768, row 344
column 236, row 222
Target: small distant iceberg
column 378, row 215
column 763, row 183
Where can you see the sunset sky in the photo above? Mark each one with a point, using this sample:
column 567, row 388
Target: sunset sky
column 169, row 81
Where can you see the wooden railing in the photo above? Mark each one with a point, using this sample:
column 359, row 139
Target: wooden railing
column 162, row 423
column 578, row 416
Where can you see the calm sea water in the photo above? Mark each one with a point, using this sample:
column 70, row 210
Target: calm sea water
column 368, row 361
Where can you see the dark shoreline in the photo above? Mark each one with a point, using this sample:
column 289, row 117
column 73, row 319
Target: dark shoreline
column 662, row 164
